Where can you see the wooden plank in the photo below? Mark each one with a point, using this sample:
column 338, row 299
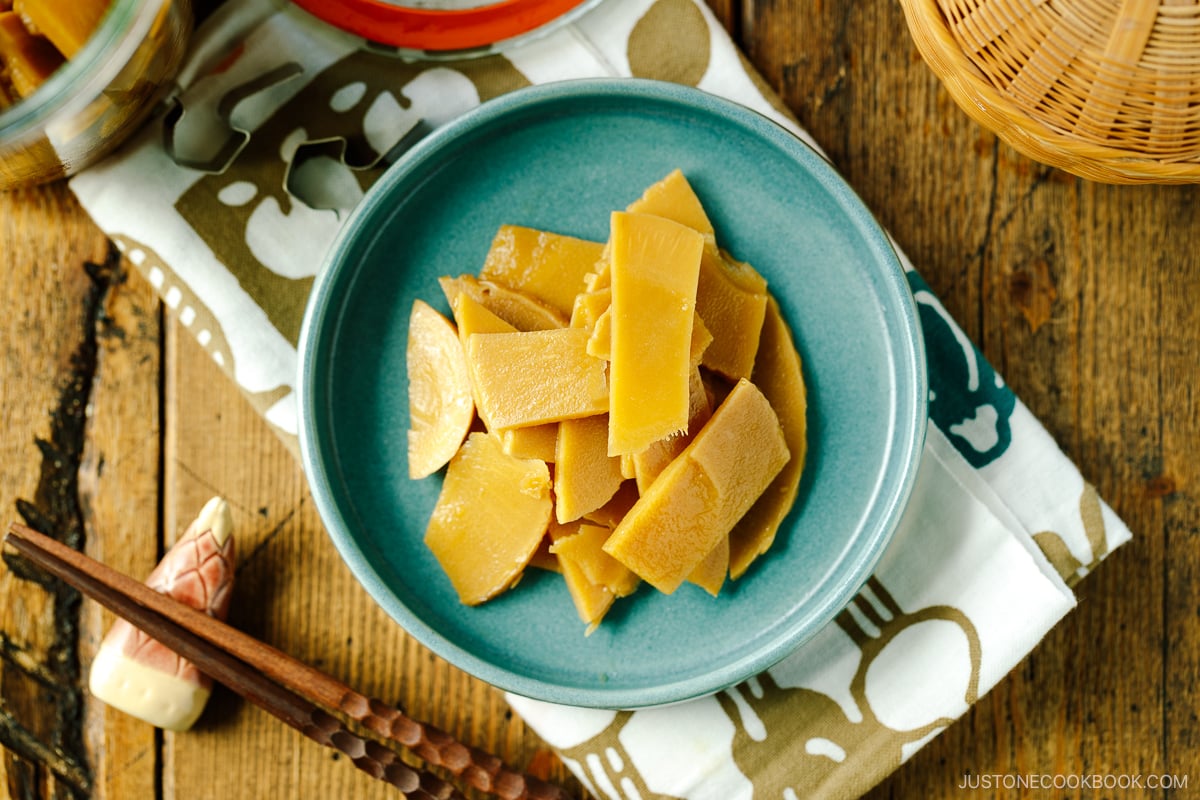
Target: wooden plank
column 119, row 491
column 45, row 336
column 81, row 374
column 1172, row 246
column 727, row 13
column 294, row 591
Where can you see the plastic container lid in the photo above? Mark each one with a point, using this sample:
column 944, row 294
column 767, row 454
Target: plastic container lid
column 442, row 26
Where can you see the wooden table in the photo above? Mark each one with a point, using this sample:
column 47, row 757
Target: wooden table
column 1086, row 297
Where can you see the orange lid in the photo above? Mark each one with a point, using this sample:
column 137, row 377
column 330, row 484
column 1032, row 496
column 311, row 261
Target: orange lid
column 438, row 29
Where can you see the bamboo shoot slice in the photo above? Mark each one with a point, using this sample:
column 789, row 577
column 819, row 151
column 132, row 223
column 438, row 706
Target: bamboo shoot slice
column 655, row 266
column 731, row 298
column 66, row 23
column 534, row 377
column 702, row 493
column 517, row 309
column 586, row 548
column 26, row 59
column 673, row 198
column 778, row 374
column 547, row 266
column 489, row 519
column 534, row 441
column 649, row 464
column 585, row 475
column 711, row 572
column 440, row 406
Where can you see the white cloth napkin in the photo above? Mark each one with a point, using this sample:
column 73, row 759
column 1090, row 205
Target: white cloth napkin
column 216, row 204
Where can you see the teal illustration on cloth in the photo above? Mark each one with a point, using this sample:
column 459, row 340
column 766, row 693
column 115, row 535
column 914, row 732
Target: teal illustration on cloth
column 968, row 400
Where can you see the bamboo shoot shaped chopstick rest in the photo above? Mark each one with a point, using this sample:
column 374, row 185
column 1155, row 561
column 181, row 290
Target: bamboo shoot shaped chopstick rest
column 141, row 676
column 296, row 693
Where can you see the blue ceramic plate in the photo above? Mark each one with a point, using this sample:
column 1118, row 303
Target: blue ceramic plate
column 561, row 157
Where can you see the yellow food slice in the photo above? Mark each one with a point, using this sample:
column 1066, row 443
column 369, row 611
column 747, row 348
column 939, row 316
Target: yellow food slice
column 602, row 278
column 66, row 23
column 778, row 373
column 611, row 513
column 440, row 407
column 547, row 266
column 533, row 377
column 673, row 198
column 710, row 574
column 628, row 468
column 649, row 464
column 655, row 265
column 489, row 519
column 585, row 475
column 699, row 497
column 472, row 316
column 586, row 548
column 519, row 310
column 591, row 600
column 600, row 341
column 26, row 60
column 542, row 558
column 702, row 338
column 731, row 298
column 535, row 441
column 588, row 306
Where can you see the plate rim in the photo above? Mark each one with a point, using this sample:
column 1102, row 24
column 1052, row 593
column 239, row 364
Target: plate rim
column 908, row 448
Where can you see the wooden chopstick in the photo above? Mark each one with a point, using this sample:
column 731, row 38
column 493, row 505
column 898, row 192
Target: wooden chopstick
column 289, row 689
column 321, row 727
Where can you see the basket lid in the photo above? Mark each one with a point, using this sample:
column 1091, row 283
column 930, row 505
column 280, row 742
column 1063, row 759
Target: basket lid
column 1107, row 89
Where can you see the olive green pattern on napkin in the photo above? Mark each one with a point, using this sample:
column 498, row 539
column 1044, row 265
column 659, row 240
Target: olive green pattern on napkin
column 1068, row 566
column 604, row 753
column 829, row 755
column 839, row 755
column 326, row 118
column 198, row 319
column 680, row 23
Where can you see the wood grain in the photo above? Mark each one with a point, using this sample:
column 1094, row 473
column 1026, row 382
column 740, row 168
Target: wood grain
column 119, row 494
column 47, row 344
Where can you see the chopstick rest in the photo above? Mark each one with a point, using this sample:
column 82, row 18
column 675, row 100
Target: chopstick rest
column 136, row 673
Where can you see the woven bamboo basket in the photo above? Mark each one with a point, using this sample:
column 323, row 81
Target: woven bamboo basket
column 1108, row 90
